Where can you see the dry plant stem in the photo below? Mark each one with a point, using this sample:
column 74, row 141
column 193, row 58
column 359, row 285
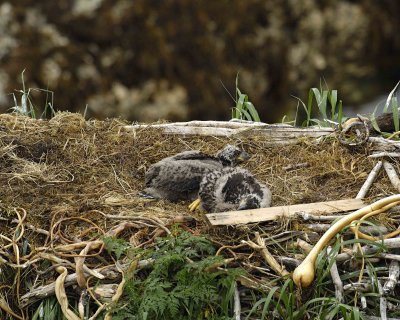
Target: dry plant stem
column 236, row 303
column 109, row 272
column 81, row 306
column 370, row 179
column 18, row 234
column 336, row 279
column 79, row 262
column 117, row 294
column 62, row 296
column 391, row 172
column 4, row 306
column 216, row 265
column 28, row 226
column 304, row 274
column 296, row 166
column 361, row 235
column 269, row 259
column 394, row 272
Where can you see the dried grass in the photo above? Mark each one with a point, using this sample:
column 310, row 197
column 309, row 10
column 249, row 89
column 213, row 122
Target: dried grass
column 75, row 178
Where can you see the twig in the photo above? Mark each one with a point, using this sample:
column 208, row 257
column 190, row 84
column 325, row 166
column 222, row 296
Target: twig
column 336, row 279
column 296, row 166
column 358, row 286
column 382, row 302
column 269, row 259
column 363, row 301
column 109, row 272
column 305, row 246
column 384, row 154
column 307, row 217
column 371, row 249
column 236, row 303
column 370, row 179
column 317, row 227
column 389, row 256
column 391, row 172
column 394, row 272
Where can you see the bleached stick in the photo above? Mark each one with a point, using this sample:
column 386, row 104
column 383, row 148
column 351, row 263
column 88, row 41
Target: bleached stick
column 307, row 217
column 305, row 246
column 394, row 272
column 336, row 279
column 236, row 303
column 391, row 172
column 385, row 154
column 370, row 179
column 382, row 302
column 368, row 250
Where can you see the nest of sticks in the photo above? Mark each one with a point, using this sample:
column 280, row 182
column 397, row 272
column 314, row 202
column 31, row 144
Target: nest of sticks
column 67, row 183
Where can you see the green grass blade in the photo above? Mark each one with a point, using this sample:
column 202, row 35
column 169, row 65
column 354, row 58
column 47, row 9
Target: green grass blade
column 340, row 113
column 323, row 104
column 311, row 93
column 373, row 121
column 389, row 98
column 395, row 111
column 252, row 110
column 246, row 115
column 237, row 86
column 240, row 101
column 332, row 96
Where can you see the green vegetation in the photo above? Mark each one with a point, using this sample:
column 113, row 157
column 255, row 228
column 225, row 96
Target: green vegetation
column 179, row 285
column 27, row 106
column 283, row 301
column 324, row 99
column 243, row 109
column 391, row 102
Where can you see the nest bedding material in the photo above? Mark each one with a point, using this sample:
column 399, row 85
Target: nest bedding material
column 82, row 165
column 78, row 172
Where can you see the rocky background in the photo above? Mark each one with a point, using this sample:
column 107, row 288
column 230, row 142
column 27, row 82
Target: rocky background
column 149, row 59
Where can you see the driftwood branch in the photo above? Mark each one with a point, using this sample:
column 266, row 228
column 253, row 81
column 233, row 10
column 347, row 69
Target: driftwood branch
column 336, row 279
column 391, row 172
column 275, row 133
column 236, row 303
column 394, row 272
column 370, row 179
column 369, row 250
column 382, row 302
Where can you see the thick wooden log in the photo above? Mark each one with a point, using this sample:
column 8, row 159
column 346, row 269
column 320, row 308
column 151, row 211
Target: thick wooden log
column 273, row 213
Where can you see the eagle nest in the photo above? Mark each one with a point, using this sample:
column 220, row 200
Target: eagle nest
column 66, row 183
